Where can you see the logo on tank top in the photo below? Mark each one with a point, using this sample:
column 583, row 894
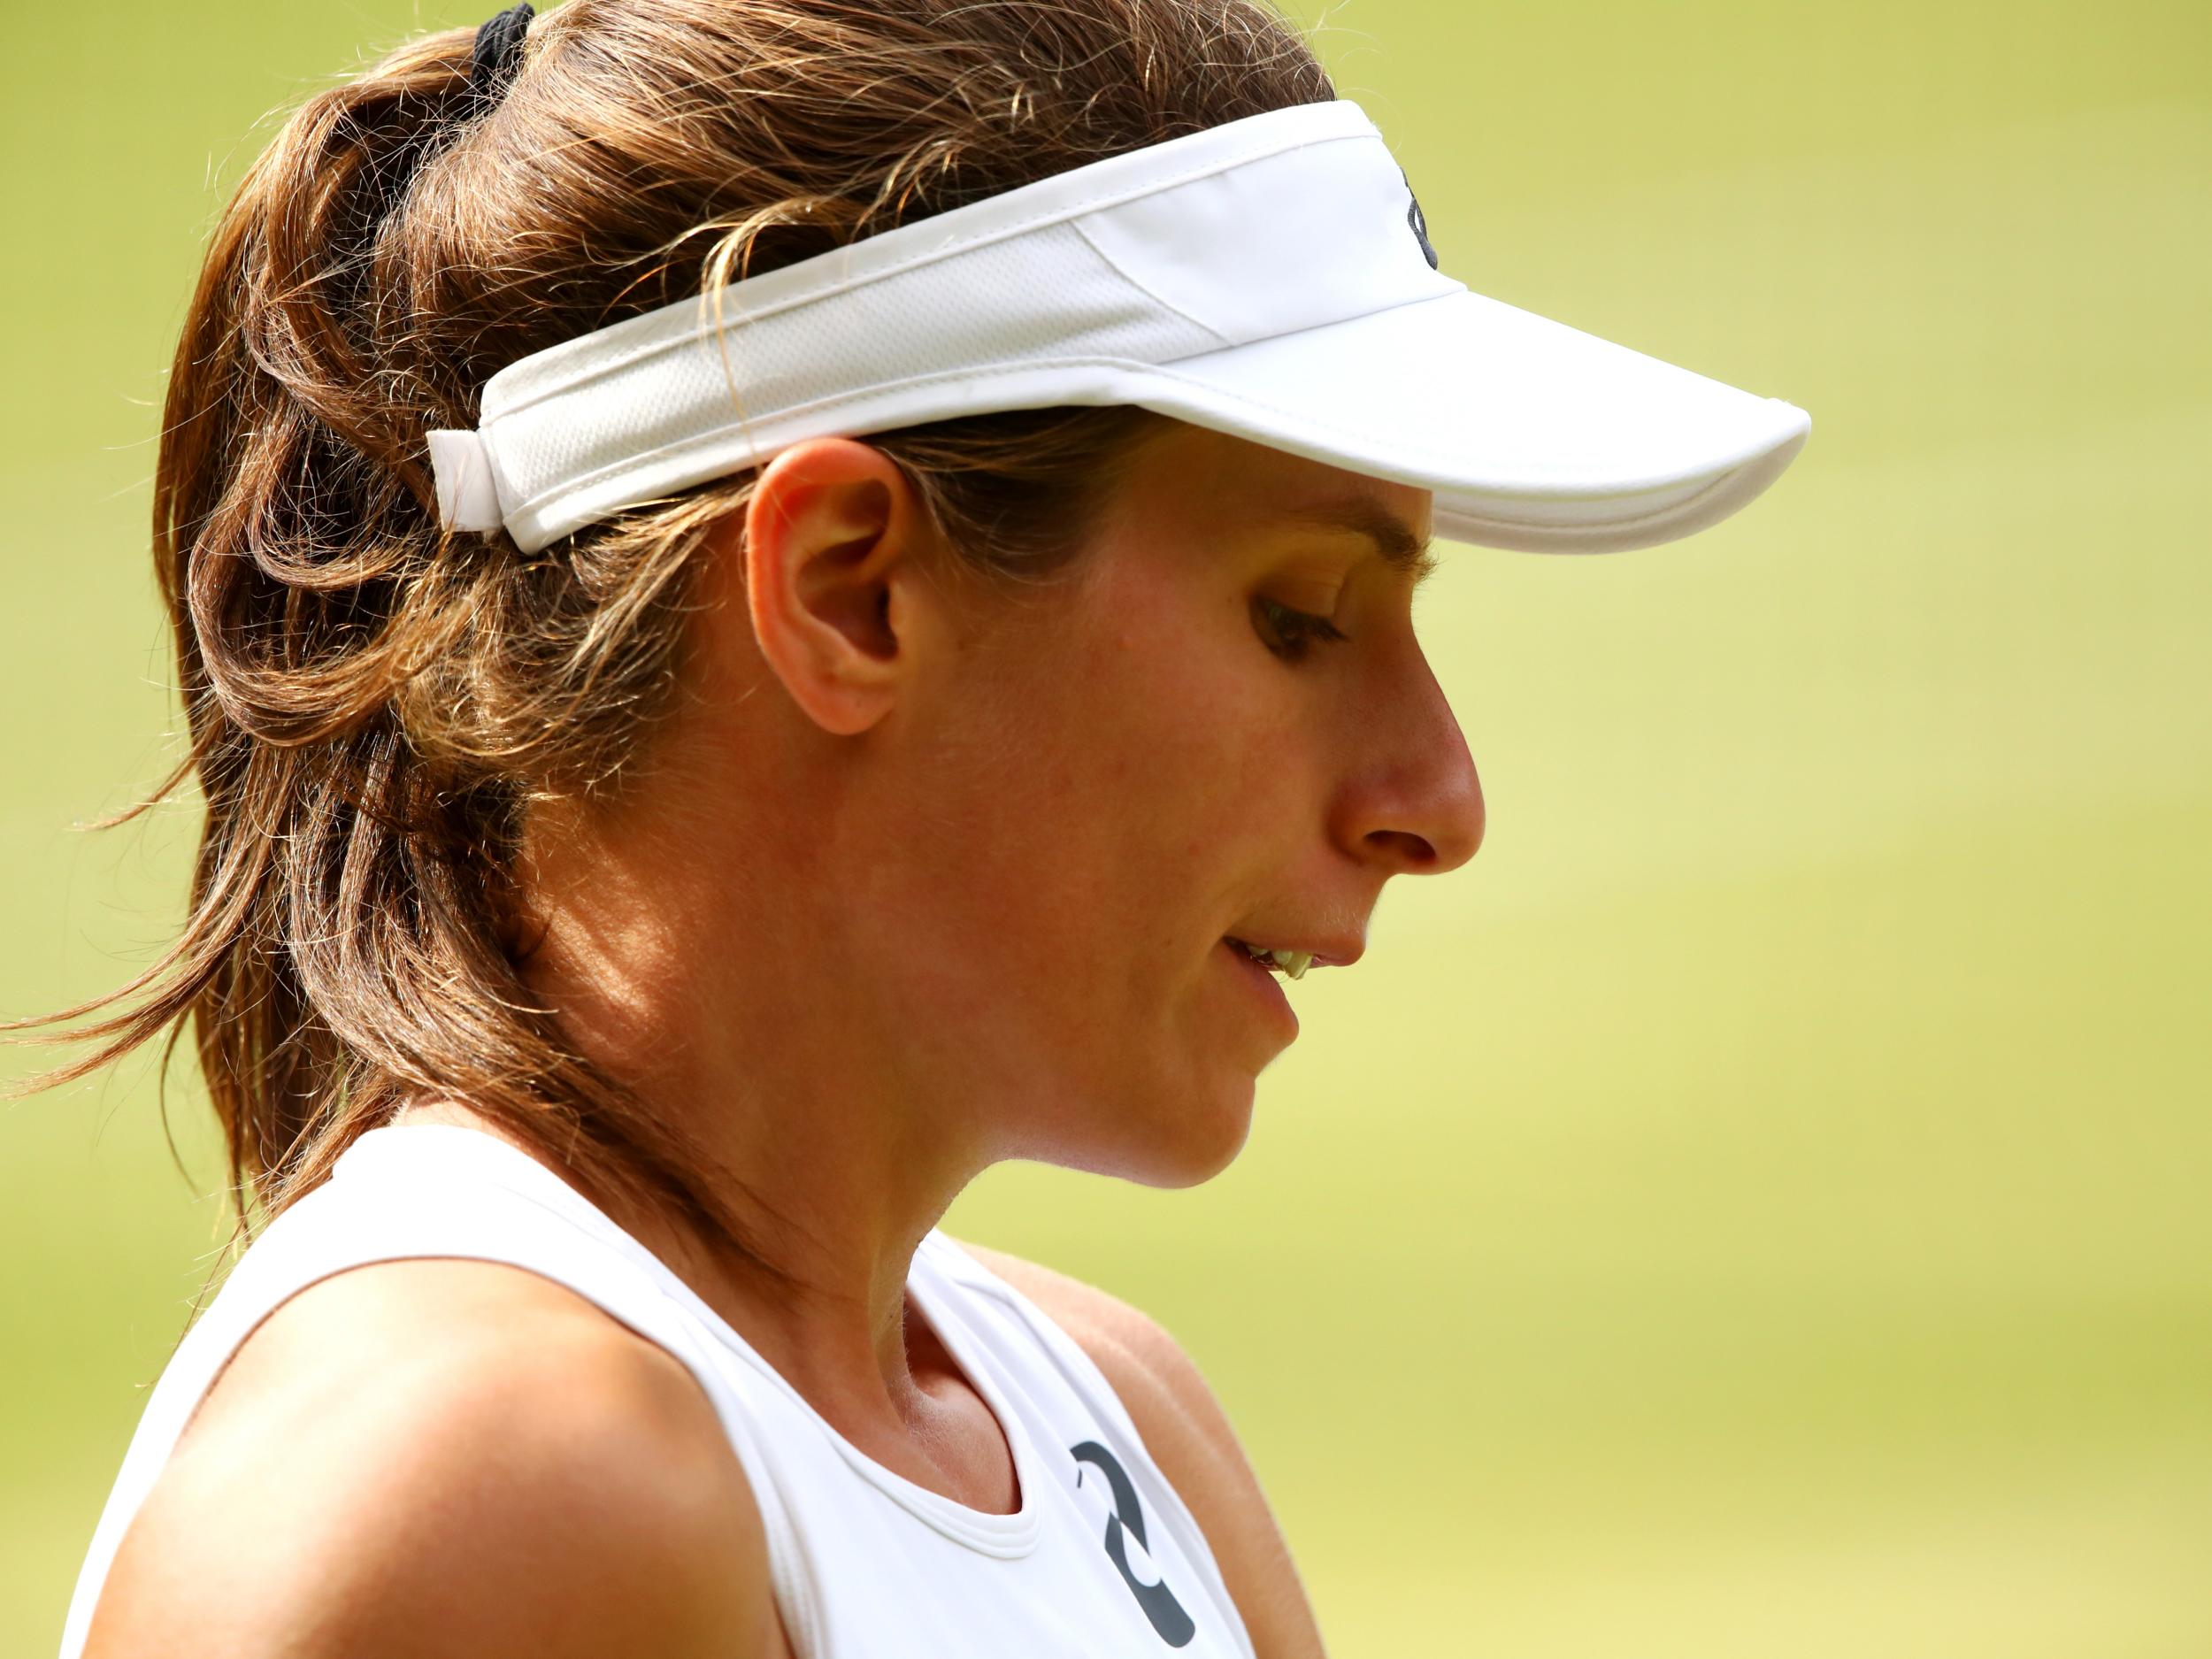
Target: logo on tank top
column 1419, row 223
column 1125, row 1542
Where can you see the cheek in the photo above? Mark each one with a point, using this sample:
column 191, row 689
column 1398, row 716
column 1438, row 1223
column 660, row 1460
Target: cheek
column 1179, row 769
column 1210, row 736
column 1133, row 810
column 1169, row 742
column 1125, row 779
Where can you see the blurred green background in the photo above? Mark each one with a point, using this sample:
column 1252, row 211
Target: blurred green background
column 1760, row 1206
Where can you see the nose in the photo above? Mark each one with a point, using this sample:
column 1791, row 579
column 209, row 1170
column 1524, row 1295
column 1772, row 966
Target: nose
column 1412, row 802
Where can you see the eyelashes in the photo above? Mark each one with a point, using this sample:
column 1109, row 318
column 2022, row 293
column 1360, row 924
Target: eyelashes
column 1292, row 634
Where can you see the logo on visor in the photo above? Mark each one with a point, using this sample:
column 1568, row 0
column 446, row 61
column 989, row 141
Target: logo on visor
column 1420, row 221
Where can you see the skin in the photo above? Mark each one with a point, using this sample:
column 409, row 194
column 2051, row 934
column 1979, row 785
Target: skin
column 917, row 877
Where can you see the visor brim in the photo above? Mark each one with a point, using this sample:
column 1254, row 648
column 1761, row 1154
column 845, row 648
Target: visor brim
column 1533, row 434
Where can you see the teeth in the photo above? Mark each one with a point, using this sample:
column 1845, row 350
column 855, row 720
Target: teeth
column 1294, row 962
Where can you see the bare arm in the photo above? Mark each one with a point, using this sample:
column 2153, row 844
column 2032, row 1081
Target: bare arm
column 436, row 1458
column 1189, row 1436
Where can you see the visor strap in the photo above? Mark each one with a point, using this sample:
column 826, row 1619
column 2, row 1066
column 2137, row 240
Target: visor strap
column 468, row 497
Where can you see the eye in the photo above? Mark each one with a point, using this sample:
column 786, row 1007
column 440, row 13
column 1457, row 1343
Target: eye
column 1290, row 634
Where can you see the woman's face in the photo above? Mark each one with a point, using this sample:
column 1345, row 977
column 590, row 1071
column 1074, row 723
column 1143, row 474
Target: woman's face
column 1109, row 779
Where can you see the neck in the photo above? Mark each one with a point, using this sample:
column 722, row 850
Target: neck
column 831, row 1152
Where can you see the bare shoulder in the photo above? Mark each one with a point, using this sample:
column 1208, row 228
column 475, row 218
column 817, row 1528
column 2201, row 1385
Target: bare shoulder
column 1190, row 1438
column 441, row 1457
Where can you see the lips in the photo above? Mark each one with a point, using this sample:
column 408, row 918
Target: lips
column 1263, row 985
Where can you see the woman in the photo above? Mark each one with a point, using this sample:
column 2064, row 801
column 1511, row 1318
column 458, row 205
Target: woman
column 692, row 782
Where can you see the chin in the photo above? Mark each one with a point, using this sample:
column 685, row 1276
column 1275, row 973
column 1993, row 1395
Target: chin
column 1187, row 1142
column 1166, row 1131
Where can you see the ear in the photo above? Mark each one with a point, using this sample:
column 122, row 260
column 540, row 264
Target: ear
column 836, row 581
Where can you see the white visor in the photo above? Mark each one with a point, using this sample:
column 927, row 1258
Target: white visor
column 1272, row 278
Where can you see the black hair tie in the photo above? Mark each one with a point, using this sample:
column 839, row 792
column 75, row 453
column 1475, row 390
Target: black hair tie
column 498, row 56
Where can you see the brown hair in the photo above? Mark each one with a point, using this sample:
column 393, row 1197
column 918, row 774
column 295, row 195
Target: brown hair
column 373, row 702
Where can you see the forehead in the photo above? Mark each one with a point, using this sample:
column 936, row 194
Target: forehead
column 1191, row 482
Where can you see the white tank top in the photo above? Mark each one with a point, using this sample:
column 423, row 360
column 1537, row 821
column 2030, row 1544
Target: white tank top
column 1103, row 1557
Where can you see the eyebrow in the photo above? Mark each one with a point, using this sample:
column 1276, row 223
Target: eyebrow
column 1396, row 544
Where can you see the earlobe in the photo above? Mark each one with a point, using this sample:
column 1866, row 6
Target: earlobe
column 830, row 567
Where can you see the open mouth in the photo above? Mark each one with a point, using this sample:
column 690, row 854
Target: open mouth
column 1291, row 962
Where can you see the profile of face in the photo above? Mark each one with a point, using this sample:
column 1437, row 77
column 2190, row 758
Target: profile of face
column 1016, row 833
